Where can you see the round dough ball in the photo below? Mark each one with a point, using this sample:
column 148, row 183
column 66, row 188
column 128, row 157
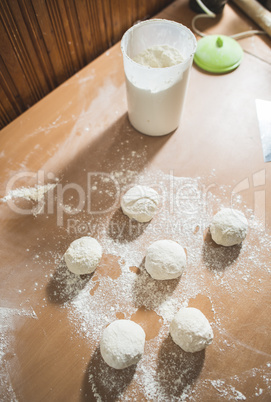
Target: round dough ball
column 140, row 203
column 191, row 330
column 165, row 259
column 122, row 344
column 83, row 255
column 229, row 227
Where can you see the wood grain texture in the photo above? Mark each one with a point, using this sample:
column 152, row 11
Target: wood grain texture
column 257, row 13
column 44, row 42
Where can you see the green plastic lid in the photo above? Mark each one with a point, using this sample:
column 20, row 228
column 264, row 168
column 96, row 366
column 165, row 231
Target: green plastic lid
column 218, row 53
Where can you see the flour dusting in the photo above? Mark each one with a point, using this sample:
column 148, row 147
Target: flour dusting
column 35, row 193
column 7, row 317
column 120, row 287
column 184, row 216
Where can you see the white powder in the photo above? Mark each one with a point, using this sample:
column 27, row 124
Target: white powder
column 164, row 373
column 29, row 193
column 155, row 105
column 104, row 299
column 159, row 56
column 36, row 194
column 227, row 391
column 7, row 325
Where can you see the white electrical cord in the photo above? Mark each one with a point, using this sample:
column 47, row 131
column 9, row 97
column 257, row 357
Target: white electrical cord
column 210, row 14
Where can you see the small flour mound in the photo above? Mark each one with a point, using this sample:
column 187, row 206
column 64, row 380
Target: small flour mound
column 29, row 193
column 122, row 344
column 83, row 255
column 159, row 56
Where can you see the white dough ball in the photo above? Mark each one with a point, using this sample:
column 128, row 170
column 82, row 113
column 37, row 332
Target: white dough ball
column 122, row 344
column 165, row 259
column 83, row 255
column 191, row 330
column 229, row 227
column 140, row 203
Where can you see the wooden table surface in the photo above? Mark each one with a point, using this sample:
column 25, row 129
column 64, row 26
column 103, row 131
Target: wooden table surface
column 79, row 139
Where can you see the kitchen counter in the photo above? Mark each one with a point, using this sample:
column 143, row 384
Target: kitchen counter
column 78, row 146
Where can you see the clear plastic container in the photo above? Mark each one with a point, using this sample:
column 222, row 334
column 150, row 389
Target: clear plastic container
column 156, row 96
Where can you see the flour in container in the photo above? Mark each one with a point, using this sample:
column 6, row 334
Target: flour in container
column 155, row 105
column 159, row 56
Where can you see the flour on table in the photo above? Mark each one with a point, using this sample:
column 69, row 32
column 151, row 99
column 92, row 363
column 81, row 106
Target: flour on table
column 183, row 219
column 29, row 193
column 7, row 319
column 35, row 194
column 186, row 208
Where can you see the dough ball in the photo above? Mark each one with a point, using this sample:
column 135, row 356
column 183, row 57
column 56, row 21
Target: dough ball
column 165, row 259
column 191, row 330
column 229, row 227
column 122, row 344
column 140, row 203
column 83, row 255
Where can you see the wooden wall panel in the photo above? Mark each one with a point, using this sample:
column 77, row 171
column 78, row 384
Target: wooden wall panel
column 44, row 42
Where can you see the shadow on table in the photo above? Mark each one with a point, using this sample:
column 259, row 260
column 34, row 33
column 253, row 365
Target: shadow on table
column 118, row 150
column 104, row 381
column 216, row 257
column 64, row 285
column 177, row 369
column 149, row 292
column 123, row 229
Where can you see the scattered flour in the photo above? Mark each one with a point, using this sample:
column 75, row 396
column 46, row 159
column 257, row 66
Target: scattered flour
column 7, row 317
column 29, row 193
column 184, row 215
column 35, row 194
column 227, row 391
